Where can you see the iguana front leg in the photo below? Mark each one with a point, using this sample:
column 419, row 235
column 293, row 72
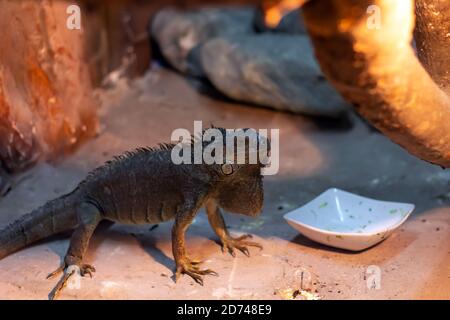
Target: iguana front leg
column 89, row 217
column 218, row 224
column 184, row 265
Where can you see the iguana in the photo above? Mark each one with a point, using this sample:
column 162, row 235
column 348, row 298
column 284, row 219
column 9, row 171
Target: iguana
column 145, row 187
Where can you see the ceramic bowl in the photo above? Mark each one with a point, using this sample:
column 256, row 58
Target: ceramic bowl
column 348, row 221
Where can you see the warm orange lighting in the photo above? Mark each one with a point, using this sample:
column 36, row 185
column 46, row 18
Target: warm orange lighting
column 274, row 10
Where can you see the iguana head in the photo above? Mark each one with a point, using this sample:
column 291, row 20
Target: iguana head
column 238, row 182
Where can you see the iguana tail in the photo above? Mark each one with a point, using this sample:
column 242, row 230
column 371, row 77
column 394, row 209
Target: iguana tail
column 54, row 217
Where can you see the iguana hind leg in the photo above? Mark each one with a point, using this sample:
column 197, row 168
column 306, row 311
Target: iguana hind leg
column 89, row 217
column 228, row 243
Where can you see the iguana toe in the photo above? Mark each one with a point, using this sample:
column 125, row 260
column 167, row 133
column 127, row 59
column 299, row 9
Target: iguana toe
column 56, row 272
column 195, row 262
column 87, row 269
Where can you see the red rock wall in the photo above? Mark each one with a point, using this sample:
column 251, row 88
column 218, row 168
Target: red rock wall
column 46, row 103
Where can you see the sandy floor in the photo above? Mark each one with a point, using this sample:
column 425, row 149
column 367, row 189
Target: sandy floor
column 136, row 262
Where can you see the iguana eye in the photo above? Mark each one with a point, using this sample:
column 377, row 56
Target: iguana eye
column 227, row 168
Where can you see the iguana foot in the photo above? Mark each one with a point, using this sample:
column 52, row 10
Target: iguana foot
column 239, row 243
column 190, row 267
column 69, row 271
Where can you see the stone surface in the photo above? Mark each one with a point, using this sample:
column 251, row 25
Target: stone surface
column 5, row 182
column 179, row 34
column 46, row 103
column 136, row 263
column 273, row 70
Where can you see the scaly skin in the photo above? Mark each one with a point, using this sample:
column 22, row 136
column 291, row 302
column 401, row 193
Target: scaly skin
column 144, row 187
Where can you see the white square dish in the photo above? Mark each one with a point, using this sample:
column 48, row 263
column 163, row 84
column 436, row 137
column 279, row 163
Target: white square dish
column 348, row 221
